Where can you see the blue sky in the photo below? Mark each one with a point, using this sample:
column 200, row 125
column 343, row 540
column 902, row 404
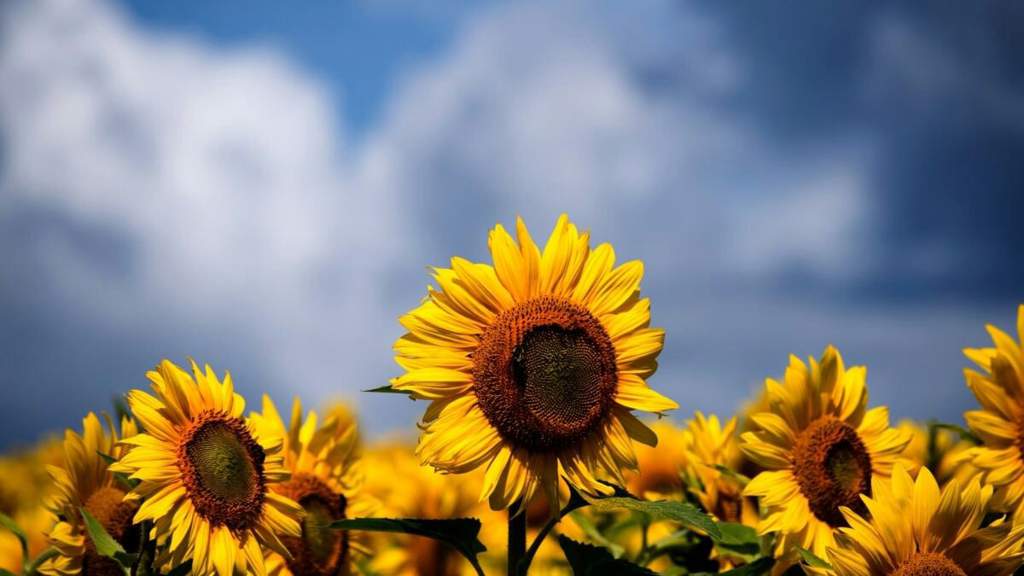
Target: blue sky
column 263, row 188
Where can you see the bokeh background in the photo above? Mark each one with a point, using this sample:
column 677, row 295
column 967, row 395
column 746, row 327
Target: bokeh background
column 261, row 185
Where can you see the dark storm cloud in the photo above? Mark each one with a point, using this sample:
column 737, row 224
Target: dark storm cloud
column 939, row 90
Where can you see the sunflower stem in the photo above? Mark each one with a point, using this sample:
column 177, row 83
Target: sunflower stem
column 516, row 537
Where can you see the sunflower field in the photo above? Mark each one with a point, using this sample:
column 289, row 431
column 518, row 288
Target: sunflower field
column 541, row 450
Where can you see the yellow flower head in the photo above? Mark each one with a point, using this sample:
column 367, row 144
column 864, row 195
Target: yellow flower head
column 915, row 530
column 820, row 447
column 532, row 365
column 326, row 480
column 205, row 475
column 711, row 446
column 85, row 481
column 999, row 388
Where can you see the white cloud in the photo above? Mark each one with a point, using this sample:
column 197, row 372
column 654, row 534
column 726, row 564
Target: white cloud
column 223, row 173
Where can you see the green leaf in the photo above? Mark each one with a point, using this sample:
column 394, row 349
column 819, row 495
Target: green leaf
column 388, row 389
column 755, row 568
column 6, row 572
column 123, row 479
column 964, row 433
column 682, row 512
column 811, row 560
column 104, row 543
column 594, row 535
column 740, row 478
column 9, row 523
column 181, row 569
column 739, row 539
column 459, row 533
column 587, row 560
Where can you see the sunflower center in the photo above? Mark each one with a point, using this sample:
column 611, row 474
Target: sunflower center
column 108, row 507
column 222, row 469
column 545, row 374
column 928, row 564
column 320, row 551
column 832, row 468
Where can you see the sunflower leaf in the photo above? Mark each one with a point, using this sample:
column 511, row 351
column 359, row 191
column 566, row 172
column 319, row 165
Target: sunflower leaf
column 388, row 389
column 6, row 572
column 682, row 512
column 964, row 433
column 181, row 569
column 9, row 523
column 123, row 479
column 459, row 533
column 587, row 560
column 811, row 560
column 738, row 539
column 104, row 542
column 740, row 478
column 755, row 568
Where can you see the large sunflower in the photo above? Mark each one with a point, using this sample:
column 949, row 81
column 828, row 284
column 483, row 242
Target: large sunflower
column 205, row 475
column 84, row 481
column 532, row 365
column 326, row 481
column 915, row 530
column 820, row 448
column 1000, row 423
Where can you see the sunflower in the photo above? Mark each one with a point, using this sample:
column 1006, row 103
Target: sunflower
column 711, row 447
column 84, row 481
column 325, row 480
column 820, row 448
column 1000, row 423
column 205, row 475
column 915, row 530
column 532, row 365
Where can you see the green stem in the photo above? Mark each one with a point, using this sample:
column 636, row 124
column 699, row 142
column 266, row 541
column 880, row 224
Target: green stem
column 33, row 568
column 537, row 541
column 516, row 537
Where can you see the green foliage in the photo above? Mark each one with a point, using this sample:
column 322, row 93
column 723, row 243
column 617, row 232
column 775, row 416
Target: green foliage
column 811, row 560
column 681, row 512
column 587, row 560
column 182, row 570
column 388, row 389
column 739, row 540
column 459, row 533
column 105, row 543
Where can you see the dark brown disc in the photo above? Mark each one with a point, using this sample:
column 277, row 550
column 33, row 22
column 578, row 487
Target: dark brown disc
column 320, row 551
column 833, row 468
column 222, row 469
column 545, row 374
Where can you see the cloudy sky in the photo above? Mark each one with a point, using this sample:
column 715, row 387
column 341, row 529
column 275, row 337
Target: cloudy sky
column 262, row 186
